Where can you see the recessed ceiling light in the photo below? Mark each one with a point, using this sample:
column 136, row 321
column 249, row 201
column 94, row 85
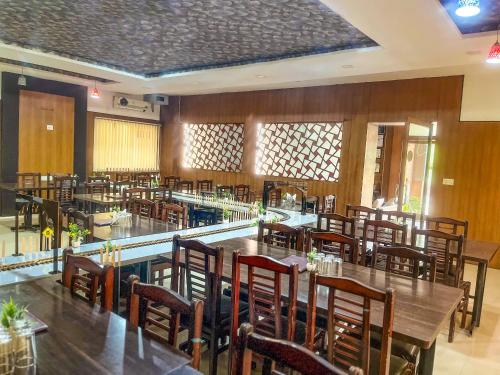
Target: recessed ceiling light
column 468, row 8
column 348, row 66
column 260, row 76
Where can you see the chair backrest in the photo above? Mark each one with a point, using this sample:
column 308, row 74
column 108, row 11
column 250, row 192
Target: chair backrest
column 64, row 189
column 242, row 193
column 204, row 185
column 143, row 180
column 381, row 233
column 174, row 214
column 337, row 223
column 405, row 261
column 361, row 212
column 147, row 304
column 97, row 187
column 223, row 191
column 123, row 176
column 185, row 186
column 83, row 220
column 448, row 249
column 97, row 275
column 203, row 269
column 399, row 217
column 29, row 183
column 171, row 182
column 274, row 198
column 264, row 280
column 329, row 204
column 349, row 310
column 345, row 247
column 286, row 353
column 281, row 235
column 446, row 224
column 143, row 207
column 119, row 186
column 98, row 179
column 128, row 195
column 160, row 193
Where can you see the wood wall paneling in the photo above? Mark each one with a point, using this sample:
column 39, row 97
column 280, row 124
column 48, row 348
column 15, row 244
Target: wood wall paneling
column 40, row 149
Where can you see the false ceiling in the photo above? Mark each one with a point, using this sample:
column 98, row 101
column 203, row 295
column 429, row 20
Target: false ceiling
column 487, row 20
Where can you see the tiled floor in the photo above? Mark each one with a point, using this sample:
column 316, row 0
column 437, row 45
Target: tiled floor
column 479, row 354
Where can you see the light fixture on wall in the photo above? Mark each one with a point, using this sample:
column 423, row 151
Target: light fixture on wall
column 94, row 93
column 494, row 55
column 21, row 81
column 468, row 8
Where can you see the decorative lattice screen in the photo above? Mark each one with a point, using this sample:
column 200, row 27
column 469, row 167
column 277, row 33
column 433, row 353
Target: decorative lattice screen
column 300, row 150
column 217, row 147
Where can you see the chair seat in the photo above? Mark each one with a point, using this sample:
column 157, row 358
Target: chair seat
column 398, row 366
column 225, row 309
column 399, row 348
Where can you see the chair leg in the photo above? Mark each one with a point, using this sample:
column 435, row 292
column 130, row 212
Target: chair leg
column 451, row 333
column 213, row 353
column 465, row 307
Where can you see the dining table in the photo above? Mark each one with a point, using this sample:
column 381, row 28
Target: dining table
column 105, row 200
column 475, row 252
column 135, row 227
column 81, row 339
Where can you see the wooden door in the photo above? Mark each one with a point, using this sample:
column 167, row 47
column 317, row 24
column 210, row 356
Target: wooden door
column 46, row 132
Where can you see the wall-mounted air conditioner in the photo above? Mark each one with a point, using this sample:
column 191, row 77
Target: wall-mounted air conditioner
column 122, row 102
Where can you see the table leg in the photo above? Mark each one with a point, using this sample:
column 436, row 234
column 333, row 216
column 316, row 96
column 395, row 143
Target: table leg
column 426, row 364
column 116, row 291
column 479, row 294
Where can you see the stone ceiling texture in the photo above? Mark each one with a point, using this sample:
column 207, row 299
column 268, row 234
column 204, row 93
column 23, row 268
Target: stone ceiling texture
column 487, row 20
column 157, row 37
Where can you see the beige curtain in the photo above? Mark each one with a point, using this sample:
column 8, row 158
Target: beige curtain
column 125, row 145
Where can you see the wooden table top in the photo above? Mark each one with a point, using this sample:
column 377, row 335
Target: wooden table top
column 421, row 309
column 83, row 340
column 103, row 199
column 474, row 251
column 140, row 226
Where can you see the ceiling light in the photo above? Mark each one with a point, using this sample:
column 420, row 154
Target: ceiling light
column 94, row 93
column 468, row 8
column 348, row 66
column 494, row 55
column 260, row 76
column 21, row 81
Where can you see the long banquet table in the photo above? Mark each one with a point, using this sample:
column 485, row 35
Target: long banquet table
column 84, row 340
column 422, row 308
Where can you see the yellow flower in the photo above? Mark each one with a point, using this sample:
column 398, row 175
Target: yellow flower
column 48, row 232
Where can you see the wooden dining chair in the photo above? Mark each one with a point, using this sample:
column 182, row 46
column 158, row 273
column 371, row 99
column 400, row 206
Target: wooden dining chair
column 171, row 182
column 381, row 233
column 128, row 195
column 98, row 279
column 264, row 287
column 329, row 204
column 143, row 208
column 281, row 235
column 449, row 265
column 204, row 185
column 242, row 193
column 405, row 218
column 83, row 220
column 64, row 193
column 350, row 305
column 223, row 191
column 185, row 186
column 159, row 194
column 361, row 213
column 174, row 214
column 97, row 188
column 203, row 281
column 29, row 183
column 118, row 187
column 274, row 198
column 158, row 310
column 337, row 223
column 446, row 224
column 345, row 247
column 123, row 176
column 143, row 180
column 102, row 179
column 283, row 352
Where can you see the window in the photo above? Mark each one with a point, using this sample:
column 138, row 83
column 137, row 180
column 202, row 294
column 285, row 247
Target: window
column 217, row 147
column 125, row 145
column 299, row 150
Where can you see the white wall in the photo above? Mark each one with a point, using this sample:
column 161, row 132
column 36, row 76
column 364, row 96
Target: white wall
column 481, row 96
column 105, row 105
